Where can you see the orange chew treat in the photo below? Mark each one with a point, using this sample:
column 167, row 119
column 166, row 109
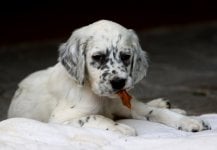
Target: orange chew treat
column 125, row 97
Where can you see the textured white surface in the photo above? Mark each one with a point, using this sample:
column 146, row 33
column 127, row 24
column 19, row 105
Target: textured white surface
column 26, row 134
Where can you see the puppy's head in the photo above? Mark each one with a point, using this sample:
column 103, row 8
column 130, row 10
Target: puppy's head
column 105, row 56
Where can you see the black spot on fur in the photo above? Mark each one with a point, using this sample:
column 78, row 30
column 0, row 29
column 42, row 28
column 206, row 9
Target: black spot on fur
column 81, row 123
column 114, row 54
column 116, row 123
column 205, row 126
column 104, row 75
column 114, row 72
column 179, row 128
column 105, row 66
column 168, row 105
column 150, row 112
column 107, row 129
column 139, row 60
column 72, row 106
column 88, row 118
column 111, row 62
column 107, row 52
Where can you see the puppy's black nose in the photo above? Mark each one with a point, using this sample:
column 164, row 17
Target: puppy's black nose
column 118, row 83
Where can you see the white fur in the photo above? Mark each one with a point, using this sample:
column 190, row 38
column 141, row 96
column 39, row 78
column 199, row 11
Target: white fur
column 74, row 92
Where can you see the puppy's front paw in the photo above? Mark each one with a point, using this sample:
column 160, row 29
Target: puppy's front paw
column 123, row 129
column 192, row 125
column 160, row 103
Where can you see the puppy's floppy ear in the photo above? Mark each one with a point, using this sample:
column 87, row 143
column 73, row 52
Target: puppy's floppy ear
column 140, row 63
column 72, row 57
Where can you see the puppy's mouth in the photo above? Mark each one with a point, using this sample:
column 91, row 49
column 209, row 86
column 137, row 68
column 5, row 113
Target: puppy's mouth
column 115, row 93
column 124, row 89
column 106, row 90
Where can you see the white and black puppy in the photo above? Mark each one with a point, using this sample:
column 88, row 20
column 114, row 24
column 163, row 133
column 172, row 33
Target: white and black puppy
column 95, row 63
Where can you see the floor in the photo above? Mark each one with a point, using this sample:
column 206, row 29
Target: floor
column 183, row 66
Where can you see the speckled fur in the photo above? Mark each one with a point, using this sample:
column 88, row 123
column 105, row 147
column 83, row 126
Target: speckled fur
column 78, row 91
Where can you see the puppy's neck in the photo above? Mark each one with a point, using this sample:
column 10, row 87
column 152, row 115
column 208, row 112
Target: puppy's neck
column 61, row 81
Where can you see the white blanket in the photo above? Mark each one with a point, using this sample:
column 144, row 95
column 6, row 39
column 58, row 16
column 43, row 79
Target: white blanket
column 27, row 134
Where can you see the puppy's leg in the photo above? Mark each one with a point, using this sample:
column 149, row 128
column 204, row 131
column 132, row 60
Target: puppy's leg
column 160, row 103
column 101, row 122
column 167, row 117
column 165, row 103
column 66, row 113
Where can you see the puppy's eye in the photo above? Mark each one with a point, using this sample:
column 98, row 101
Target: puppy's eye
column 99, row 58
column 125, row 57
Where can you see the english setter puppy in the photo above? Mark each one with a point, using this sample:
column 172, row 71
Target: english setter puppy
column 95, row 63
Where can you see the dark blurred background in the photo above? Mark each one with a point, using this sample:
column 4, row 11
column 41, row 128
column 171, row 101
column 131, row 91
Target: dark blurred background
column 25, row 20
column 179, row 36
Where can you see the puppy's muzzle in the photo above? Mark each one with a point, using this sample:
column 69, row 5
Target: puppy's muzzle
column 118, row 83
